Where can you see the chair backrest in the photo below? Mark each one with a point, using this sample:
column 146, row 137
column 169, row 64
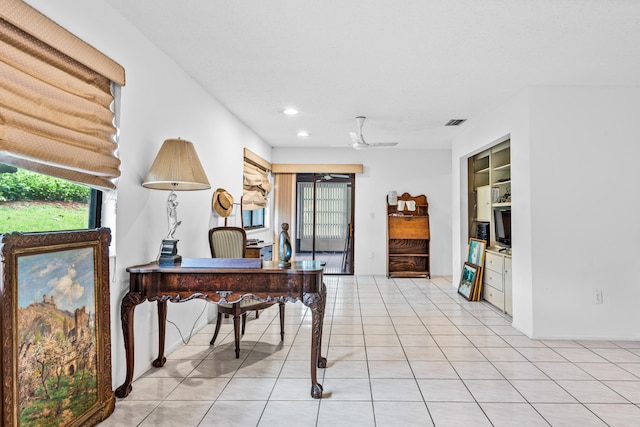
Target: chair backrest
column 228, row 242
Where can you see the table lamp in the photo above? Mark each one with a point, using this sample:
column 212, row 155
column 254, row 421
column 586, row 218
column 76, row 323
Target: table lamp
column 176, row 168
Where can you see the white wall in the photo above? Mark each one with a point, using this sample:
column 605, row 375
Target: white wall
column 159, row 101
column 584, row 192
column 416, row 172
column 573, row 152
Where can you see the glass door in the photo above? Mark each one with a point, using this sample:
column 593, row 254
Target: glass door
column 324, row 218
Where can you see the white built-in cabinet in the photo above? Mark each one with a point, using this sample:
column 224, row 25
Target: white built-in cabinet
column 490, row 189
column 484, row 203
column 508, row 295
column 496, row 280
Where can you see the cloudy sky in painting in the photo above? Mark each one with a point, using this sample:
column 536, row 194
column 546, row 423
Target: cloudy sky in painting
column 66, row 275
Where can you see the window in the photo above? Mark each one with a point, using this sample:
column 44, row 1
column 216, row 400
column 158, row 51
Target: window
column 32, row 202
column 331, row 210
column 253, row 219
column 256, row 188
column 59, row 109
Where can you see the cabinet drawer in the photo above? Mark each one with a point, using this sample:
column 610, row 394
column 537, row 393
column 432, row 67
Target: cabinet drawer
column 493, row 279
column 408, row 227
column 493, row 262
column 493, row 296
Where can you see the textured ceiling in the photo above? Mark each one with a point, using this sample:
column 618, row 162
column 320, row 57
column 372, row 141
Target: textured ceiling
column 408, row 65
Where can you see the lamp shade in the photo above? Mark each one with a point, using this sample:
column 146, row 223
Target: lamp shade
column 177, row 167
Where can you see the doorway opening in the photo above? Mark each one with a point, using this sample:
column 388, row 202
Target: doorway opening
column 324, row 218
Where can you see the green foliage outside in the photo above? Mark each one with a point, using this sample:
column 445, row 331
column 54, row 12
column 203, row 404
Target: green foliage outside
column 33, row 202
column 43, row 217
column 24, row 185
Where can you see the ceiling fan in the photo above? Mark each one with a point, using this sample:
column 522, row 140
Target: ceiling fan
column 330, row 176
column 358, row 139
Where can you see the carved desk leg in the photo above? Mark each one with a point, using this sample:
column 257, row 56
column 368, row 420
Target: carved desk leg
column 129, row 302
column 322, row 361
column 162, row 329
column 316, row 303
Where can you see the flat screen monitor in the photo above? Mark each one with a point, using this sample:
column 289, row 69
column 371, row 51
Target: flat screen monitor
column 502, row 220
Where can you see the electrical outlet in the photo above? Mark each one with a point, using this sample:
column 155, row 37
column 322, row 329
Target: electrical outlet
column 597, row 296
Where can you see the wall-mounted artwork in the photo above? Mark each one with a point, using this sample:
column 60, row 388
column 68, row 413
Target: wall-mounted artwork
column 56, row 345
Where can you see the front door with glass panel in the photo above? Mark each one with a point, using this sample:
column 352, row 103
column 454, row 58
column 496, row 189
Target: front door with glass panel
column 324, row 218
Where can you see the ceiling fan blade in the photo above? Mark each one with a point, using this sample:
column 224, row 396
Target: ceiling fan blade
column 383, row 144
column 356, row 138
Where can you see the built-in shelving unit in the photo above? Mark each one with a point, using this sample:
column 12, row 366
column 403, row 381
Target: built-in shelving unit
column 408, row 237
column 489, row 187
column 489, row 191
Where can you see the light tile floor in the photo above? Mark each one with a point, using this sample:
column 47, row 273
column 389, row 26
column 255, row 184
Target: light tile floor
column 401, row 352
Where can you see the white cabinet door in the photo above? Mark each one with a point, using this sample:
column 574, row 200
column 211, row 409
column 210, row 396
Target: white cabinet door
column 483, row 209
column 508, row 298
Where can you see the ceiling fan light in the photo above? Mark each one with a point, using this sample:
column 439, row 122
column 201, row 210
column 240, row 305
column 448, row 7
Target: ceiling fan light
column 303, row 133
column 290, row 111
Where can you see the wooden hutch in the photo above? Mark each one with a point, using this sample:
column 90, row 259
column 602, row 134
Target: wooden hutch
column 408, row 237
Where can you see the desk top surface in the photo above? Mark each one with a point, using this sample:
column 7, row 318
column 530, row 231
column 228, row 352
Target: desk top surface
column 229, row 265
column 258, row 245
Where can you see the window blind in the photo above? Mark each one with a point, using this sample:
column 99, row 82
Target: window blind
column 256, row 185
column 331, row 215
column 56, row 110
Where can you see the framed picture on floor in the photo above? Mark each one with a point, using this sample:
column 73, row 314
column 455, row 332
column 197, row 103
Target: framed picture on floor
column 468, row 280
column 56, row 344
column 476, row 252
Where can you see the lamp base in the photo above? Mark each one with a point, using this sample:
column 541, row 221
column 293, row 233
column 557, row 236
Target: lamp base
column 169, row 253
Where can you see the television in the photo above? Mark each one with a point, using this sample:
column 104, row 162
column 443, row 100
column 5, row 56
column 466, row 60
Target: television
column 502, row 222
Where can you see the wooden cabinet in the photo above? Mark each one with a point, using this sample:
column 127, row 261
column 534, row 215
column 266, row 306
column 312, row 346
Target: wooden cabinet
column 260, row 250
column 408, row 237
column 496, row 280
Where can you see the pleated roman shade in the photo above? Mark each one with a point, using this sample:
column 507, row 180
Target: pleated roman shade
column 56, row 114
column 256, row 185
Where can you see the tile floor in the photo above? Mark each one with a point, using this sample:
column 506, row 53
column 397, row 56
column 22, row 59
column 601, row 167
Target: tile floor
column 401, row 352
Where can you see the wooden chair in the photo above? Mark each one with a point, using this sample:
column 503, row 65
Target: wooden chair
column 231, row 242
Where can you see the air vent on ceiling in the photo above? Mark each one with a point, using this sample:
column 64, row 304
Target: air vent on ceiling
column 455, row 122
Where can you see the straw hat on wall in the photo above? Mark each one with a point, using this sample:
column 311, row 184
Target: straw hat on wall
column 222, row 202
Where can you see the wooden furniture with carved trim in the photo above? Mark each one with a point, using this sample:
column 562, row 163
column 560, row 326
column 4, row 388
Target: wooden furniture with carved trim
column 408, row 237
column 223, row 280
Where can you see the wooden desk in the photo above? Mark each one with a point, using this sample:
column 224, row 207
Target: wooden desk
column 223, row 281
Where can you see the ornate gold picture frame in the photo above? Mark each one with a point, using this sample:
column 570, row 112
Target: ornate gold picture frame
column 56, row 344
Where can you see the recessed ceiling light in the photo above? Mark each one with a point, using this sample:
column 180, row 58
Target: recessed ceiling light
column 290, row 111
column 303, row 133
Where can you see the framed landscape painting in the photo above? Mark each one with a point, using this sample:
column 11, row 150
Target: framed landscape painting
column 56, row 344
column 468, row 280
